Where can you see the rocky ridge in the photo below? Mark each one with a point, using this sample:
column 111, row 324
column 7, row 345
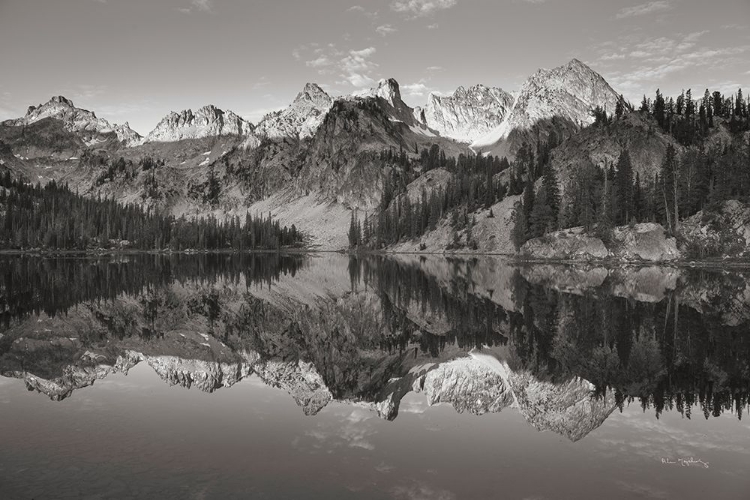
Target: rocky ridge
column 76, row 120
column 205, row 122
column 301, row 118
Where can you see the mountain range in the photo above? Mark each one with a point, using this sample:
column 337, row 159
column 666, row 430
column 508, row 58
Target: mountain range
column 310, row 164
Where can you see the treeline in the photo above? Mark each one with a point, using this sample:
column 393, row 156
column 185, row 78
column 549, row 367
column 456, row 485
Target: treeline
column 690, row 121
column 702, row 176
column 53, row 217
column 474, row 184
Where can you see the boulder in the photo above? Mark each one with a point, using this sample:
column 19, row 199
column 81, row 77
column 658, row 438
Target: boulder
column 644, row 241
column 566, row 244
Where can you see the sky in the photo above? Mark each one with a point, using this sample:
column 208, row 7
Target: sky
column 137, row 60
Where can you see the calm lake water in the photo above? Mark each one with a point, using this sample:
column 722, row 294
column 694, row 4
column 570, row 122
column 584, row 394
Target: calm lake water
column 328, row 376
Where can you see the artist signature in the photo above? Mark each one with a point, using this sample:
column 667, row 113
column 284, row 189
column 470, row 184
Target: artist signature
column 686, row 462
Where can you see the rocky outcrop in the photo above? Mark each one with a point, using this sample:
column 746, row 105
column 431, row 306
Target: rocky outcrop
column 81, row 121
column 600, row 147
column 467, row 114
column 640, row 242
column 301, row 119
column 644, row 241
column 572, row 244
column 208, row 121
column 724, row 232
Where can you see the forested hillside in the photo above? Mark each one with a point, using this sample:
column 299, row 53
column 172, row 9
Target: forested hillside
column 53, row 217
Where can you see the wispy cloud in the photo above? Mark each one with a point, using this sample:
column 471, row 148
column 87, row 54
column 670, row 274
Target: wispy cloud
column 643, row 9
column 358, row 9
column 417, row 89
column 418, row 490
column 261, row 82
column 356, row 67
column 433, row 26
column 385, row 30
column 203, row 5
column 421, row 8
column 318, row 62
column 198, row 5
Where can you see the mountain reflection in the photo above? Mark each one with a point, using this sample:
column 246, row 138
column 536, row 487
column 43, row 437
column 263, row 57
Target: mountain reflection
column 565, row 346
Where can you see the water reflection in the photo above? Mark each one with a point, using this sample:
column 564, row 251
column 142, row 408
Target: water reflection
column 565, row 346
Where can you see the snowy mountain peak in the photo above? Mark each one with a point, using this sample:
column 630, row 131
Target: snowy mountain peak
column 207, row 121
column 467, row 114
column 567, row 93
column 301, row 118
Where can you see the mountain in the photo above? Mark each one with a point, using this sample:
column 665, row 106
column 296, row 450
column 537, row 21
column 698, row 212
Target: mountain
column 208, row 121
column 301, row 118
column 388, row 94
column 561, row 99
column 80, row 121
column 467, row 115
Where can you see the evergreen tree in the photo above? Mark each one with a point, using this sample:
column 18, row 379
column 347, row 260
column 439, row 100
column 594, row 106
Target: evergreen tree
column 623, row 186
column 520, row 226
column 552, row 194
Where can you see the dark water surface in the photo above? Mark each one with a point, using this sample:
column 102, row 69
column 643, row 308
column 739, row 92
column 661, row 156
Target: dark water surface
column 328, row 376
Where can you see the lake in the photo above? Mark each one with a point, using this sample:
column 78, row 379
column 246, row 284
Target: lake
column 402, row 377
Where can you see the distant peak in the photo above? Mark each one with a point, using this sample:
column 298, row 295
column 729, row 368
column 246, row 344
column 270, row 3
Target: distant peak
column 211, row 109
column 577, row 64
column 313, row 92
column 313, row 88
column 389, row 90
column 62, row 100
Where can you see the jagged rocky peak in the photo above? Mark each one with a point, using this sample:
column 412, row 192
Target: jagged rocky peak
column 76, row 120
column 388, row 89
column 313, row 93
column 567, row 93
column 467, row 114
column 301, row 118
column 207, row 121
column 62, row 100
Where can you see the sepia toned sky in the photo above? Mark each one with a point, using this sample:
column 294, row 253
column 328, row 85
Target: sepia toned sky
column 136, row 60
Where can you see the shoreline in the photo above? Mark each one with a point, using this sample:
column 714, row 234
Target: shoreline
column 514, row 258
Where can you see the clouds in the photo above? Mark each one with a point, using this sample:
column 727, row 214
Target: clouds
column 198, row 5
column 320, row 62
column 417, row 89
column 385, row 30
column 353, row 67
column 644, row 63
column 421, row 8
column 643, row 9
column 356, row 67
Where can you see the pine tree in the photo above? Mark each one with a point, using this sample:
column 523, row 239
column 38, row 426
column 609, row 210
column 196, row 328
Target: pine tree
column 620, row 107
column 668, row 175
column 528, row 205
column 552, row 193
column 624, row 188
column 520, row 226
